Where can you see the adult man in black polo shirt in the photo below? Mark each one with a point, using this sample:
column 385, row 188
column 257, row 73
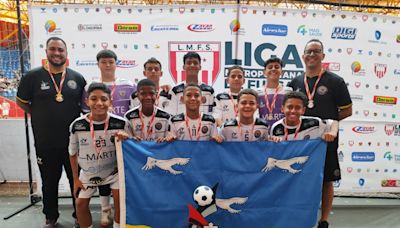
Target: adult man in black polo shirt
column 52, row 96
column 328, row 98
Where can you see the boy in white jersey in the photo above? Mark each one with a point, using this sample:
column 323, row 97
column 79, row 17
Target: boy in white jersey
column 121, row 90
column 295, row 126
column 193, row 125
column 148, row 121
column 152, row 70
column 92, row 146
column 245, row 127
column 225, row 103
column 270, row 97
column 191, row 67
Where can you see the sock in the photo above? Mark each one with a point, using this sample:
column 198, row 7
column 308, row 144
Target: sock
column 115, row 225
column 105, row 203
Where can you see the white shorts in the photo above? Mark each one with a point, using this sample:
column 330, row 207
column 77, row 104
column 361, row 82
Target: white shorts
column 91, row 189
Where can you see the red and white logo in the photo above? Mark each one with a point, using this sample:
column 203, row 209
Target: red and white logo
column 389, row 129
column 210, row 53
column 380, row 69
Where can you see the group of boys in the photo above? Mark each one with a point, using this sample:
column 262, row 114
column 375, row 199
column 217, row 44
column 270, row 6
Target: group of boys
column 116, row 109
column 188, row 111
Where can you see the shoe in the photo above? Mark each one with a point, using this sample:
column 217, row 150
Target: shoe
column 50, row 223
column 323, row 224
column 105, row 218
column 76, row 224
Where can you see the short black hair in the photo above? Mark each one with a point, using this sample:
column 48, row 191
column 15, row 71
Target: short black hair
column 317, row 41
column 191, row 85
column 98, row 86
column 145, row 82
column 273, row 60
column 247, row 91
column 152, row 60
column 295, row 95
column 55, row 38
column 230, row 69
column 191, row 54
column 106, row 54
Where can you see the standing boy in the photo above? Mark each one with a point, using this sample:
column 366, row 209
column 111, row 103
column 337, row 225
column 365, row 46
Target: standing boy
column 148, row 121
column 153, row 71
column 225, row 108
column 191, row 66
column 92, row 146
column 246, row 127
column 270, row 97
column 193, row 124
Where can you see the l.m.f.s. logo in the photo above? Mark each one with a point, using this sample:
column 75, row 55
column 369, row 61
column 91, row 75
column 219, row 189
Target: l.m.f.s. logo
column 210, row 53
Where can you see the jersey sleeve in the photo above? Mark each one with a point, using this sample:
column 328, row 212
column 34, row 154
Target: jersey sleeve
column 25, row 89
column 73, row 147
column 217, row 113
column 342, row 96
column 172, row 106
column 128, row 128
column 172, row 129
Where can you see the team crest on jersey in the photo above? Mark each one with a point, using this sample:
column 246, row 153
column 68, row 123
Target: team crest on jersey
column 306, row 137
column 83, row 142
column 234, row 135
column 138, row 127
column 257, row 133
column 181, row 131
column 210, row 53
column 204, row 129
column 122, row 93
column 158, row 126
column 225, row 108
column 72, row 84
column 322, row 90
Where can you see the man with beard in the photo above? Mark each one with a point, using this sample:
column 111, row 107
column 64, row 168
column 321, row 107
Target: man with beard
column 52, row 95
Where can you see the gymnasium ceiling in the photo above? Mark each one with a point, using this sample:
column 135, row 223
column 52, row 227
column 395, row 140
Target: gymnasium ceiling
column 8, row 8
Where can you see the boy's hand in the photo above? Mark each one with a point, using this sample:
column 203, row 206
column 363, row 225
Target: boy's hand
column 77, row 187
column 274, row 139
column 170, row 138
column 121, row 135
column 329, row 137
column 137, row 138
column 217, row 138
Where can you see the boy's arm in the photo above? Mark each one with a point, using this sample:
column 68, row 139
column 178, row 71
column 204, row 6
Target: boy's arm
column 332, row 130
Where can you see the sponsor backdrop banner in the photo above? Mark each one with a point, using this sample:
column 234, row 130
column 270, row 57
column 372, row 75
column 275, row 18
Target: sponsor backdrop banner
column 229, row 185
column 362, row 48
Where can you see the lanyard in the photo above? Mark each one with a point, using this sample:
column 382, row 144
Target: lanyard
column 92, row 133
column 286, row 130
column 150, row 128
column 233, row 103
column 198, row 128
column 59, row 96
column 241, row 133
column 310, row 96
column 272, row 106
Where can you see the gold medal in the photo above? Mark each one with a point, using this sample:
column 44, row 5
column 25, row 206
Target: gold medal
column 59, row 97
column 310, row 104
column 270, row 117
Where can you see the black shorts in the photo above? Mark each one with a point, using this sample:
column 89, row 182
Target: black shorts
column 332, row 168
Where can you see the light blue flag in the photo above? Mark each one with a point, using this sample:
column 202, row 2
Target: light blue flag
column 233, row 184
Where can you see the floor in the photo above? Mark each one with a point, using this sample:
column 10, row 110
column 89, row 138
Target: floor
column 347, row 212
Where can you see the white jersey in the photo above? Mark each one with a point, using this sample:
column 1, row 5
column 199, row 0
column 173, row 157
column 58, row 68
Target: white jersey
column 149, row 127
column 195, row 130
column 176, row 106
column 310, row 128
column 232, row 131
column 163, row 99
column 96, row 164
column 225, row 106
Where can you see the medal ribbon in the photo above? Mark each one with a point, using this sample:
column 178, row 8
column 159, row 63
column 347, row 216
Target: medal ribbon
column 233, row 103
column 311, row 96
column 272, row 106
column 58, row 89
column 150, row 128
column 286, row 130
column 92, row 133
column 198, row 128
column 241, row 133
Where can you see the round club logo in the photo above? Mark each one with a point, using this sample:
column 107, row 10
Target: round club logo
column 234, row 25
column 356, row 66
column 50, row 26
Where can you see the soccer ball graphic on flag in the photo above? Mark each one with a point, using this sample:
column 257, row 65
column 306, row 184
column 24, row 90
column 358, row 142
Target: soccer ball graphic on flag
column 203, row 195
